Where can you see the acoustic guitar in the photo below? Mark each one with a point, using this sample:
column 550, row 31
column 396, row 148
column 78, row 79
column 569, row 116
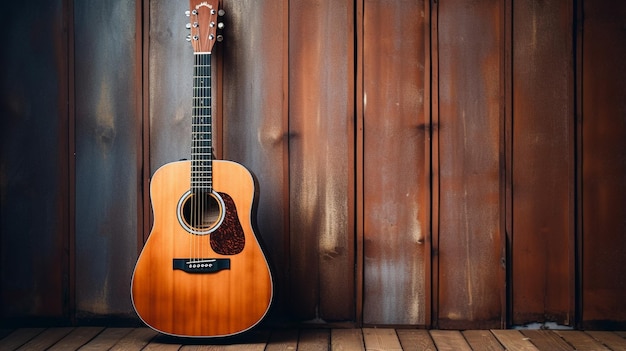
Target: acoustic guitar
column 202, row 272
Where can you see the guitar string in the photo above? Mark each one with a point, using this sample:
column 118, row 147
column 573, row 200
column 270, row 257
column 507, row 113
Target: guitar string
column 202, row 154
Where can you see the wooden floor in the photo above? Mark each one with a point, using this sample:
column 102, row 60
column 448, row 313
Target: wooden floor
column 97, row 338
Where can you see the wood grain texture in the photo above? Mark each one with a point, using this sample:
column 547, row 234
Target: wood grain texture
column 396, row 159
column 580, row 340
column 254, row 126
column 603, row 165
column 482, row 340
column 614, row 341
column 321, row 155
column 470, row 238
column 314, row 340
column 449, row 340
column 381, row 339
column 514, row 340
column 415, row 340
column 136, row 340
column 346, row 340
column 542, row 163
column 217, row 304
column 35, row 139
column 44, row 340
column 77, row 338
column 547, row 340
column 107, row 150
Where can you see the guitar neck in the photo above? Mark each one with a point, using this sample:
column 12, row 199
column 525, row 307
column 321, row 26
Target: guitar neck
column 201, row 126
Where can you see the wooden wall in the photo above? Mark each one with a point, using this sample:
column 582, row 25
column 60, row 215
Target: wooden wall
column 448, row 164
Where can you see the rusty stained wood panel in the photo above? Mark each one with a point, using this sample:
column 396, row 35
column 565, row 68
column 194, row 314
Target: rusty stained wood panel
column 470, row 237
column 170, row 83
column 108, row 134
column 255, row 117
column 321, row 159
column 396, row 163
column 603, row 164
column 543, row 271
column 34, row 165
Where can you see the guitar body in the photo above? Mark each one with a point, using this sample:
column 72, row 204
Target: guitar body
column 210, row 284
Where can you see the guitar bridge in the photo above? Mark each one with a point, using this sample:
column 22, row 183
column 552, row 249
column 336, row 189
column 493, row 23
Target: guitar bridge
column 201, row 265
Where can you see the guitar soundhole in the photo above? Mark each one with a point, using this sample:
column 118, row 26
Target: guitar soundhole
column 201, row 212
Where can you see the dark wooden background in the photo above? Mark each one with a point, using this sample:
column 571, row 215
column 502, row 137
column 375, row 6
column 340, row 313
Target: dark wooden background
column 449, row 163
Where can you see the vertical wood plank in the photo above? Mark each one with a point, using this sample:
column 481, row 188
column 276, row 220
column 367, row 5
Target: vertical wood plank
column 604, row 165
column 106, row 157
column 170, row 82
column 321, row 149
column 34, row 161
column 396, row 163
column 543, row 164
column 255, row 117
column 470, row 140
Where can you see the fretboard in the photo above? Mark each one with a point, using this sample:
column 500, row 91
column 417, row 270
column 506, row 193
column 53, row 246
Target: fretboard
column 201, row 136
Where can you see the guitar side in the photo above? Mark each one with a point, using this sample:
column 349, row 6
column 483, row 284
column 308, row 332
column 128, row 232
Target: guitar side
column 215, row 304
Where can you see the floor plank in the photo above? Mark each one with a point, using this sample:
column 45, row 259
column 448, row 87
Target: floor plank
column 314, row 340
column 449, row 340
column 136, row 340
column 4, row 332
column 19, row 337
column 46, row 339
column 370, row 339
column 415, row 340
column 283, row 340
column 547, row 340
column 610, row 339
column 106, row 339
column 376, row 339
column 480, row 340
column 580, row 340
column 346, row 340
column 160, row 343
column 513, row 340
column 76, row 338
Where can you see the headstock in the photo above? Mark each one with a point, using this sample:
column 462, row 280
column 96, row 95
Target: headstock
column 203, row 24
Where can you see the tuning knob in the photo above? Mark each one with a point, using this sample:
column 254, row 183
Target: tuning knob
column 187, row 13
column 220, row 25
column 221, row 12
column 188, row 25
column 220, row 38
column 188, row 38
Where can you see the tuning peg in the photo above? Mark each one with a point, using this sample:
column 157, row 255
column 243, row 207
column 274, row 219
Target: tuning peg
column 220, row 25
column 219, row 38
column 188, row 38
column 187, row 13
column 221, row 12
column 188, row 25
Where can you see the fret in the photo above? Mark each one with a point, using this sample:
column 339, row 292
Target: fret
column 201, row 128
